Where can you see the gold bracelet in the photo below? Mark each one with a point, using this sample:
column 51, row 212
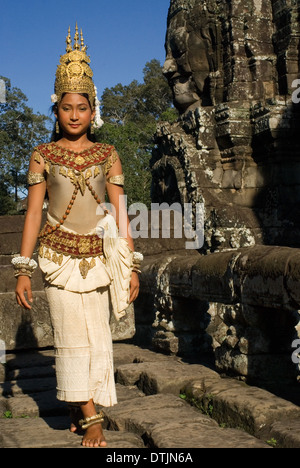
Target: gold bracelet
column 34, row 178
column 23, row 272
column 23, row 266
column 136, row 270
column 88, row 422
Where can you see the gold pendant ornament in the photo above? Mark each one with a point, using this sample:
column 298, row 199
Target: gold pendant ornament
column 85, row 267
column 79, row 160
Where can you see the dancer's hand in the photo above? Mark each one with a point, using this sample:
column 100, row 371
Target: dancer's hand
column 134, row 287
column 24, row 287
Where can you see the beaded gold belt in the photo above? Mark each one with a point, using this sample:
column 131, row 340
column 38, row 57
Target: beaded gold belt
column 74, row 245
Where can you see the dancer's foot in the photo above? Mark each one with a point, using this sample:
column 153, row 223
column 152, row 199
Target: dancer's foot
column 75, row 416
column 94, row 437
column 92, row 424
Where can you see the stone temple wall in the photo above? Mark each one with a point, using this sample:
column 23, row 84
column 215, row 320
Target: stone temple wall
column 232, row 66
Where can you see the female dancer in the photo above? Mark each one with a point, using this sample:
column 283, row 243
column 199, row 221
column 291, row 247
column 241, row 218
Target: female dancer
column 75, row 172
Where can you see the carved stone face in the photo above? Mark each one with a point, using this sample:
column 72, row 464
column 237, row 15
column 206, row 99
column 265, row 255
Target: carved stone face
column 187, row 66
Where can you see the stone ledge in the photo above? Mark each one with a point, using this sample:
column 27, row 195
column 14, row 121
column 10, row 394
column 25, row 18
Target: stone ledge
column 285, row 432
column 261, row 275
column 240, row 405
column 241, row 306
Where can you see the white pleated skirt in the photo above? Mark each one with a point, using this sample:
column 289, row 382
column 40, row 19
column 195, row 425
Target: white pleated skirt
column 83, row 345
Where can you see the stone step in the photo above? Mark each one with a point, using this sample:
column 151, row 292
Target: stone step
column 31, row 373
column 44, row 403
column 157, row 420
column 166, row 421
column 149, row 407
column 53, row 432
column 14, row 388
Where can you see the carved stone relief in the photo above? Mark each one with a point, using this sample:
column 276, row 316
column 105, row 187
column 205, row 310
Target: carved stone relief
column 231, row 65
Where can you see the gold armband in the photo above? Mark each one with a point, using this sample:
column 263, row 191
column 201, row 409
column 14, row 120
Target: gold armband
column 34, row 178
column 117, row 180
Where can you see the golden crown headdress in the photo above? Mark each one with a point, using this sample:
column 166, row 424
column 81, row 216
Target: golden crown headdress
column 74, row 74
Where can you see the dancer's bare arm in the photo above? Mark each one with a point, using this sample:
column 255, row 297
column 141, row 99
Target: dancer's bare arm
column 32, row 225
column 116, row 198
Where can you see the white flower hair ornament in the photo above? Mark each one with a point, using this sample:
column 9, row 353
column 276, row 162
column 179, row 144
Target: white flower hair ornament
column 98, row 122
column 54, row 98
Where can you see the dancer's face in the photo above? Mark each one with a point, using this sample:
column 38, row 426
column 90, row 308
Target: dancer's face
column 74, row 114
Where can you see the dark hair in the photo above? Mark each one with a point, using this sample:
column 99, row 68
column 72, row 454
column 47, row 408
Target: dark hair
column 57, row 136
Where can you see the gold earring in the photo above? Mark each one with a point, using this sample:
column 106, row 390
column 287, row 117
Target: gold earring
column 92, row 128
column 57, row 129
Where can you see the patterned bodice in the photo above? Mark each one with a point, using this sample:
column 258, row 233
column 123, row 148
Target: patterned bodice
column 76, row 183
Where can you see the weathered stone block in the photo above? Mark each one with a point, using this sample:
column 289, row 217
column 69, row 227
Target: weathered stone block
column 25, row 329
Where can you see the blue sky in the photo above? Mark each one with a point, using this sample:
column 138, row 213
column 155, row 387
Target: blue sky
column 122, row 35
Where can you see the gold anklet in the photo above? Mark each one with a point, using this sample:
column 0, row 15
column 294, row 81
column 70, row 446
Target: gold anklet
column 96, row 419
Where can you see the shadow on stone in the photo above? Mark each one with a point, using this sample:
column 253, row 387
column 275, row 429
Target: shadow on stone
column 30, row 375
